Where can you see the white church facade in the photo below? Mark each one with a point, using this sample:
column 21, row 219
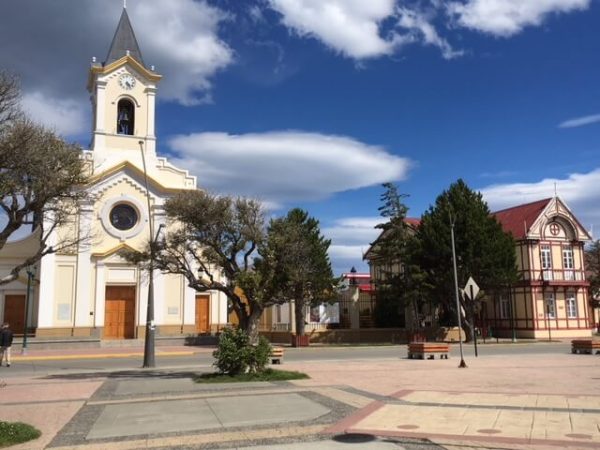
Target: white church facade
column 91, row 291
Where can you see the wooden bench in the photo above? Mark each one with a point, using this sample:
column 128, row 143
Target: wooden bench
column 276, row 355
column 588, row 346
column 428, row 350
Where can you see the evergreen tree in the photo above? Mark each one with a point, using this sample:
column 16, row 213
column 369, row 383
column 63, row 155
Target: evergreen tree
column 296, row 247
column 483, row 250
column 592, row 266
column 402, row 281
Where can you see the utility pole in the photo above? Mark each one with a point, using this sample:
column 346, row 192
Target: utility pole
column 462, row 359
column 149, row 354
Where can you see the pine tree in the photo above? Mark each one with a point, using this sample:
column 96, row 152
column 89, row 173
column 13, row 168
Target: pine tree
column 401, row 284
column 592, row 266
column 297, row 248
column 483, row 250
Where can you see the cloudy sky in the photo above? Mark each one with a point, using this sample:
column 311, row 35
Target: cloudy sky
column 315, row 103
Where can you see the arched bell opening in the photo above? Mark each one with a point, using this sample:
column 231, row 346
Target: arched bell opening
column 125, row 117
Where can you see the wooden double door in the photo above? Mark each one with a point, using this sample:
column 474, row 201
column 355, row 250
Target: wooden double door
column 119, row 315
column 202, row 313
column 14, row 312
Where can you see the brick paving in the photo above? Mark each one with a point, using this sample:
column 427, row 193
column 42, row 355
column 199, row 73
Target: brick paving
column 521, row 402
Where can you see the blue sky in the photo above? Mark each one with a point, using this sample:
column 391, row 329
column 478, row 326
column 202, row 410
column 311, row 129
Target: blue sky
column 315, row 103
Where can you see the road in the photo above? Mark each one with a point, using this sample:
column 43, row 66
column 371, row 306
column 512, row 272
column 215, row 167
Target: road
column 202, row 361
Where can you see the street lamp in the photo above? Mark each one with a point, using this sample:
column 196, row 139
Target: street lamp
column 30, row 274
column 462, row 360
column 149, row 359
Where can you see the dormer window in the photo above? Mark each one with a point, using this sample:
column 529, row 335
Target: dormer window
column 125, row 117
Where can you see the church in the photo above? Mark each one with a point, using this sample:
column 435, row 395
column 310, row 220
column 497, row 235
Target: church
column 91, row 292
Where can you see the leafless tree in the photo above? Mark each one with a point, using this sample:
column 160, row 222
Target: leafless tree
column 41, row 180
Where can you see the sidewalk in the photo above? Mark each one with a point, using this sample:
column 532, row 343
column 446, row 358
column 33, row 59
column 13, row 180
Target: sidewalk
column 521, row 402
column 104, row 352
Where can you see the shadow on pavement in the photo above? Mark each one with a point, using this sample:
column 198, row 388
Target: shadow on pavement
column 142, row 373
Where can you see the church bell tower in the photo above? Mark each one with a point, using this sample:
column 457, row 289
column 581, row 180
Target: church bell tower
column 123, row 95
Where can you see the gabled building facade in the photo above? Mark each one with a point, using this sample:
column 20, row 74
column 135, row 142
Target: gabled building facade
column 551, row 300
column 91, row 291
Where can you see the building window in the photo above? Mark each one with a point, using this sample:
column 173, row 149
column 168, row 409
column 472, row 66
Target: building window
column 504, row 306
column 125, row 117
column 546, row 255
column 568, row 264
column 123, row 217
column 571, row 305
column 550, row 306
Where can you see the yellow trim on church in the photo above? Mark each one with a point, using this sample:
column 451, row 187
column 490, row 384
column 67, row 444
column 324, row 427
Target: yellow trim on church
column 112, row 251
column 101, row 70
column 128, row 165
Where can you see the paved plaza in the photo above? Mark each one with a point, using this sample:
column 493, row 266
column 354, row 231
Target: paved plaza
column 498, row 402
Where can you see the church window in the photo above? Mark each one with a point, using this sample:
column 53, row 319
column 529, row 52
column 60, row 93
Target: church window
column 123, row 217
column 125, row 117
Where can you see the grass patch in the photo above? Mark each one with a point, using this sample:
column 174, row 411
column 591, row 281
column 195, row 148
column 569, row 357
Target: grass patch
column 12, row 433
column 266, row 375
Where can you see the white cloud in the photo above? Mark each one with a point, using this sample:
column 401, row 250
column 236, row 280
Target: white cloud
column 353, row 230
column 417, row 23
column 579, row 190
column 350, row 239
column 350, row 27
column 508, row 17
column 181, row 38
column 285, row 166
column 66, row 116
column 580, row 121
column 343, row 257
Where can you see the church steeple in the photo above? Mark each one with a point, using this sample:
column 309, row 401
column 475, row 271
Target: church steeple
column 124, row 42
column 123, row 96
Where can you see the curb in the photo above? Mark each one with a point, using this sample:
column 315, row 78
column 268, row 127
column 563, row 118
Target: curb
column 97, row 356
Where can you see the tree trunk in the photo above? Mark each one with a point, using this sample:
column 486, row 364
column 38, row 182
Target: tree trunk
column 299, row 313
column 252, row 323
column 469, row 329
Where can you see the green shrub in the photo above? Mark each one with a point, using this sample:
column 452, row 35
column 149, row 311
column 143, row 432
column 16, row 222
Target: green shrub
column 235, row 354
column 12, row 433
column 258, row 358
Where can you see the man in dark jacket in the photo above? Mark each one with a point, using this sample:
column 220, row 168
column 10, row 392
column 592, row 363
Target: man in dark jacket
column 6, row 339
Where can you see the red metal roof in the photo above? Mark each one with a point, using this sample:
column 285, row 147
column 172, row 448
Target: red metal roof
column 518, row 219
column 413, row 221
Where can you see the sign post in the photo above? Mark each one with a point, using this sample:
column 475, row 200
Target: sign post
column 471, row 290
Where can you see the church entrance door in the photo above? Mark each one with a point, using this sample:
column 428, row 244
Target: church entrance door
column 202, row 322
column 14, row 312
column 119, row 317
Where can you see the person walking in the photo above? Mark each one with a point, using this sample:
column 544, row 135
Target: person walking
column 6, row 339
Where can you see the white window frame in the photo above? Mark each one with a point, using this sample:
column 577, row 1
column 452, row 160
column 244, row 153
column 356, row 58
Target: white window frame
column 504, row 306
column 571, row 304
column 546, row 260
column 568, row 263
column 550, row 306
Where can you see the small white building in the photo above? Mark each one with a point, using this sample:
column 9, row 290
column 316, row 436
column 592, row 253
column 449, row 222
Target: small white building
column 91, row 292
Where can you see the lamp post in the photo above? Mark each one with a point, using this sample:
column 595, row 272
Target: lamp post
column 30, row 275
column 149, row 354
column 462, row 360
